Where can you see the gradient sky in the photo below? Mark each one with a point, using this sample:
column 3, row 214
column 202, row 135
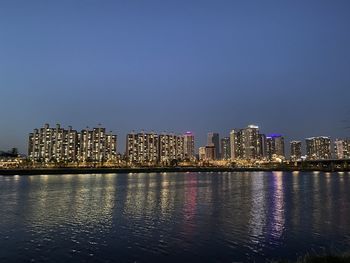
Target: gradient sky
column 175, row 66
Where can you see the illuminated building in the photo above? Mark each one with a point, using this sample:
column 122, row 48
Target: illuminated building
column 142, row 148
column 342, row 148
column 262, row 145
column 233, row 145
column 96, row 145
column 151, row 148
column 189, row 146
column 210, row 153
column 61, row 145
column 318, row 148
column 295, row 150
column 249, row 143
column 225, row 148
column 201, row 153
column 275, row 146
column 214, row 140
column 111, row 147
column 171, row 147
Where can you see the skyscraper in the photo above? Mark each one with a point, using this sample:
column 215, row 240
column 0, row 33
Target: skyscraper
column 263, row 146
column 275, row 146
column 225, row 148
column 233, row 144
column 342, row 148
column 318, row 148
column 248, row 143
column 214, row 140
column 189, row 145
column 295, row 150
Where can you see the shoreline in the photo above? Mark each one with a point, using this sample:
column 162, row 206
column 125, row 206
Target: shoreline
column 182, row 169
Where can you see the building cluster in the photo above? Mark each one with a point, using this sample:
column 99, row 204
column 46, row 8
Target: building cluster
column 57, row 144
column 243, row 144
column 250, row 144
column 320, row 148
column 152, row 148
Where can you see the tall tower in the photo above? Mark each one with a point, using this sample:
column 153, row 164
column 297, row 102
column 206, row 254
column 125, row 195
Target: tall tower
column 233, row 145
column 250, row 142
column 275, row 146
column 214, row 140
column 189, row 145
column 295, row 150
column 225, row 148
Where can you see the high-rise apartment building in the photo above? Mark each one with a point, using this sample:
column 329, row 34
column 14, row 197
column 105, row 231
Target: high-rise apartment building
column 67, row 145
column 142, row 148
column 189, row 152
column 295, row 150
column 233, row 144
column 214, row 140
column 275, row 146
column 151, row 148
column 247, row 143
column 110, row 147
column 342, row 148
column 225, row 148
column 318, row 148
column 171, row 147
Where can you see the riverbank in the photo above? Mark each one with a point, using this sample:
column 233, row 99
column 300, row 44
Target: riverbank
column 182, row 169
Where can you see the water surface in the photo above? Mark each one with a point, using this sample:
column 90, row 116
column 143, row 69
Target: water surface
column 197, row 217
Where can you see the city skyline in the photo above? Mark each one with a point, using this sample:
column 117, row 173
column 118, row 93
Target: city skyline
column 201, row 139
column 56, row 144
column 177, row 67
column 181, row 131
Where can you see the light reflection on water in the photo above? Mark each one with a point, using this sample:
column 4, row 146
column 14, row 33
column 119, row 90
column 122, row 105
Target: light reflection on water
column 186, row 216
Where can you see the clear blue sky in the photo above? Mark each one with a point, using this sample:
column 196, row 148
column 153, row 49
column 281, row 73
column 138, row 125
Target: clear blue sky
column 175, row 66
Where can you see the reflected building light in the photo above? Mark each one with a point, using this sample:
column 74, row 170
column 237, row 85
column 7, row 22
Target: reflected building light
column 190, row 206
column 296, row 199
column 278, row 205
column 135, row 202
column 166, row 198
column 141, row 198
column 257, row 217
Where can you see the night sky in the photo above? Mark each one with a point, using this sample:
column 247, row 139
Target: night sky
column 175, row 66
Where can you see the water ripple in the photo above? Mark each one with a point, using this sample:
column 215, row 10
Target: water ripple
column 224, row 217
